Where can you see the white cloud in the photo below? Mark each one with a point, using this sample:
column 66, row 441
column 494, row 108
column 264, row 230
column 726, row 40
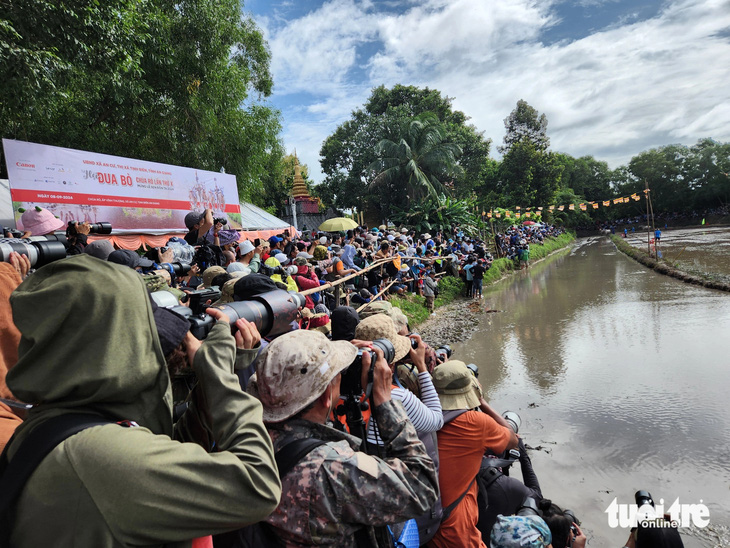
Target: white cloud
column 611, row 94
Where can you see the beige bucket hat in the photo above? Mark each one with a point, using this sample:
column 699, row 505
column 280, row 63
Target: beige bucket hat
column 454, row 384
column 380, row 326
column 295, row 369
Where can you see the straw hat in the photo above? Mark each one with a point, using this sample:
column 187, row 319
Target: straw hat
column 453, row 383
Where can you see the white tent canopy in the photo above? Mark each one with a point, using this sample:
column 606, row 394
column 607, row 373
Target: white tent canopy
column 255, row 218
column 6, row 205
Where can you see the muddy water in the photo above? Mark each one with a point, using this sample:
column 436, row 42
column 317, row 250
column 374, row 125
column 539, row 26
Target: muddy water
column 695, row 249
column 622, row 379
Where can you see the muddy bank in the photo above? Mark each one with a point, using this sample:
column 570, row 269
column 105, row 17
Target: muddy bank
column 663, row 267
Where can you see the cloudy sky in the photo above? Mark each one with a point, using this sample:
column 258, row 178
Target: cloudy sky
column 614, row 77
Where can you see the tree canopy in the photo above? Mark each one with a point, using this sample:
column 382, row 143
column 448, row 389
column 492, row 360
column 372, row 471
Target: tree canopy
column 349, row 153
column 175, row 82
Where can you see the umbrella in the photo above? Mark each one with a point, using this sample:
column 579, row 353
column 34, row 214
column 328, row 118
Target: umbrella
column 337, row 224
column 529, row 223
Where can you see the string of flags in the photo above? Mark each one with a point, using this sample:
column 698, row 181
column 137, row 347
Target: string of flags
column 537, row 211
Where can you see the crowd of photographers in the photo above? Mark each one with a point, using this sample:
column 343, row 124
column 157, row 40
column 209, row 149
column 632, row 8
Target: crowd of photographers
column 227, row 393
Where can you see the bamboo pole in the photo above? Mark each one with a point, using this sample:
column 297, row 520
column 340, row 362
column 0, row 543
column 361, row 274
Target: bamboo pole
column 386, row 288
column 329, row 285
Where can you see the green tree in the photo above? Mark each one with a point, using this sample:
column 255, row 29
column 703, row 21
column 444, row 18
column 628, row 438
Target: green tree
column 348, row 154
column 529, row 175
column 436, row 213
column 708, row 169
column 418, row 162
column 525, row 124
column 664, row 170
column 175, row 82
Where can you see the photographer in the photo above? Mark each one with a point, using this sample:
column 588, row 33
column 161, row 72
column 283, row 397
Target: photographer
column 76, row 237
column 129, row 483
column 425, row 413
column 198, row 225
column 462, row 442
column 335, row 493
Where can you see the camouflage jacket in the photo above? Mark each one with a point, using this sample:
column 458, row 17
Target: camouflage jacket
column 336, row 489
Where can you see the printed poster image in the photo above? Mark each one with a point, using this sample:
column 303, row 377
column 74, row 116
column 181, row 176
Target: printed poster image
column 133, row 195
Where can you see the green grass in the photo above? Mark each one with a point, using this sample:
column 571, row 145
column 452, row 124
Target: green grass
column 414, row 307
column 452, row 288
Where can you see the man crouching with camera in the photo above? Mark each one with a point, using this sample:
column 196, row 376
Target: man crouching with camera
column 93, row 344
column 335, row 494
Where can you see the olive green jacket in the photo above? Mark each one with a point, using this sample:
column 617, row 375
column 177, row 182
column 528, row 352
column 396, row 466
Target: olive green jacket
column 89, row 344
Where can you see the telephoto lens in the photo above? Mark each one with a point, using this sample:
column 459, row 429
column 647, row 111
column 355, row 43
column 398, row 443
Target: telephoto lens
column 643, row 497
column 513, row 419
column 39, row 253
column 95, row 228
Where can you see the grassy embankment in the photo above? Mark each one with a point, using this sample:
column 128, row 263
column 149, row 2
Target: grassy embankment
column 667, row 267
column 452, row 288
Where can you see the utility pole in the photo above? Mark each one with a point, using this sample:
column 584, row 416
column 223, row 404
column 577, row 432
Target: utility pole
column 648, row 233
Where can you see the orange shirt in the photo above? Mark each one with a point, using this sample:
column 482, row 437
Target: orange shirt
column 462, row 443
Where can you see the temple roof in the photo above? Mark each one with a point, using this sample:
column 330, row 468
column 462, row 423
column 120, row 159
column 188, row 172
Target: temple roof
column 299, row 190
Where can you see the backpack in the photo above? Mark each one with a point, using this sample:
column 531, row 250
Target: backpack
column 37, row 444
column 487, row 474
column 261, row 535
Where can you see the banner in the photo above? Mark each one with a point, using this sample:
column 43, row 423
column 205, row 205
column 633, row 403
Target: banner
column 133, row 195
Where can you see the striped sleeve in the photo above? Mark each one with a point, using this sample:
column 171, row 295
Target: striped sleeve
column 425, row 415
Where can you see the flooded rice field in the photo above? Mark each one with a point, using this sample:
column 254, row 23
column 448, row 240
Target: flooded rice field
column 621, row 376
column 703, row 250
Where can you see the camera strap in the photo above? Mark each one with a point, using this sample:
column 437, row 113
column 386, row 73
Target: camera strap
column 34, row 448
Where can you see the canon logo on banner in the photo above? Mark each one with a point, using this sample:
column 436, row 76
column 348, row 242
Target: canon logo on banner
column 23, row 164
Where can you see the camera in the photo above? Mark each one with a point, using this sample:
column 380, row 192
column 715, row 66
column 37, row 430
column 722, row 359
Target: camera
column 414, row 342
column 513, row 419
column 178, row 269
column 351, row 384
column 221, row 220
column 271, row 312
column 473, row 368
column 529, row 508
column 643, row 497
column 95, row 228
column 443, row 352
column 39, row 253
column 573, row 520
column 11, row 232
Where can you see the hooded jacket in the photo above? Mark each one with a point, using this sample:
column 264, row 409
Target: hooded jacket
column 89, row 344
column 348, row 255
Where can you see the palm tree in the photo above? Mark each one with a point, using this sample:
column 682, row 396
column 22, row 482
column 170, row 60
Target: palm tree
column 419, row 160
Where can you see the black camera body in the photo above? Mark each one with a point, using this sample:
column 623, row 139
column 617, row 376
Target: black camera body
column 11, row 232
column 271, row 312
column 95, row 228
column 221, row 220
column 351, row 384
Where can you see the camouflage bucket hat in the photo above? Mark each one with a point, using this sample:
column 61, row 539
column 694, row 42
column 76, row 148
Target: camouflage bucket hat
column 295, row 369
column 226, row 293
column 453, row 382
column 378, row 307
column 381, row 326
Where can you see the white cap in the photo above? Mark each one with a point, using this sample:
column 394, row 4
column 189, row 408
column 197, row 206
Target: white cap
column 245, row 247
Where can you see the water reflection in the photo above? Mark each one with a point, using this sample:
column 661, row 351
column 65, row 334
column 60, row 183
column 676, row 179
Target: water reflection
column 627, row 371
